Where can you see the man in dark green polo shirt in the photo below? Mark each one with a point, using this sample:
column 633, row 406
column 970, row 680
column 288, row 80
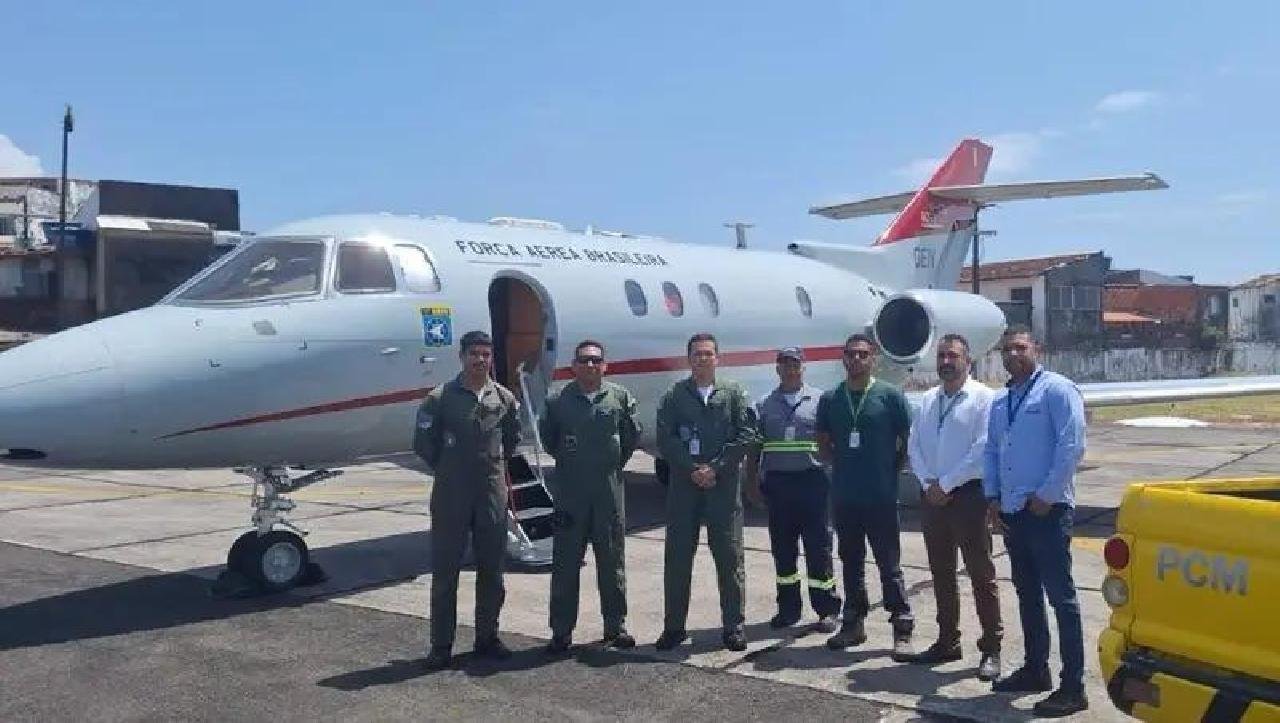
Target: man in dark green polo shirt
column 862, row 428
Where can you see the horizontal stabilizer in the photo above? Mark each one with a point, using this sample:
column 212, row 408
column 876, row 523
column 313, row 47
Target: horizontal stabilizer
column 988, row 193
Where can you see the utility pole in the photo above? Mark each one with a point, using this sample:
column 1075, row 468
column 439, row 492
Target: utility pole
column 68, row 125
column 740, row 232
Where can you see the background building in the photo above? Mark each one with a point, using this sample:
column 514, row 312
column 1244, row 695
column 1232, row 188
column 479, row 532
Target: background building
column 1255, row 311
column 1142, row 307
column 127, row 245
column 1061, row 296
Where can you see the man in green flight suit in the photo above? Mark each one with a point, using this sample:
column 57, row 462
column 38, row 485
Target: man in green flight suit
column 466, row 430
column 704, row 427
column 589, row 428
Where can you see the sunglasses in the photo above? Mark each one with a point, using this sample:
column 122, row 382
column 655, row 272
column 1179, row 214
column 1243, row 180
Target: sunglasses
column 589, row 360
column 857, row 354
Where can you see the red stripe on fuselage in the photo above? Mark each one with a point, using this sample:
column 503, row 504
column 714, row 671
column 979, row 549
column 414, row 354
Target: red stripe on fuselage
column 407, row 395
column 726, row 359
column 616, row 368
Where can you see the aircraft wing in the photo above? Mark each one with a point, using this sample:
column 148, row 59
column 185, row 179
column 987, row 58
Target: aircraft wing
column 988, row 193
column 984, row 194
column 1110, row 394
column 1107, row 394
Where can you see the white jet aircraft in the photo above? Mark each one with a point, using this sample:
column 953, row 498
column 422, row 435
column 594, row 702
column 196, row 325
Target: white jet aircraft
column 312, row 346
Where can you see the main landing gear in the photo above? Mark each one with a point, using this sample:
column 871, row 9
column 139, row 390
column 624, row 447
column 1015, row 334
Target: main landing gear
column 272, row 557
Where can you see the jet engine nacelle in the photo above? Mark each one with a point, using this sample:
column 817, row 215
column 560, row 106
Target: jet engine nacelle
column 908, row 325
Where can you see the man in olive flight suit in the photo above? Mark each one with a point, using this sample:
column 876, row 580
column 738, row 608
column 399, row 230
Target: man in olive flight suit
column 704, row 427
column 466, row 430
column 590, row 430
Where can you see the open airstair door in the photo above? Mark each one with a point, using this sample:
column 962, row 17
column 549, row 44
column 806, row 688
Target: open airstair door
column 524, row 357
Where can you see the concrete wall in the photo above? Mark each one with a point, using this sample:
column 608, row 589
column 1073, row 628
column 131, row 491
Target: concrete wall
column 1137, row 365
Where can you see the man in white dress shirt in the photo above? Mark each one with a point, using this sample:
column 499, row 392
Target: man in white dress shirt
column 946, row 447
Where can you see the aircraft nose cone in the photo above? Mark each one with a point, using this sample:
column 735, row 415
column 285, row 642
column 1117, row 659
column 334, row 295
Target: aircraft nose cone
column 60, row 400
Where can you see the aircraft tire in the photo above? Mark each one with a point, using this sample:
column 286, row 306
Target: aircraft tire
column 277, row 561
column 237, row 556
column 662, row 471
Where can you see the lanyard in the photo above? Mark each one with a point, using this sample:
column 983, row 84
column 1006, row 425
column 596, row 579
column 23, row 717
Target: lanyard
column 792, row 411
column 848, row 399
column 1013, row 408
column 944, row 411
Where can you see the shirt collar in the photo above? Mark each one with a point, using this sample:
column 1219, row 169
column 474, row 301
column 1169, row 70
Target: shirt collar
column 590, row 396
column 488, row 386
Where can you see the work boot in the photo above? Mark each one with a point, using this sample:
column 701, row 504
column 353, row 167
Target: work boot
column 621, row 640
column 438, row 659
column 827, row 624
column 1060, row 703
column 1025, row 680
column 734, row 639
column 852, row 633
column 670, row 639
column 935, row 654
column 559, row 644
column 784, row 620
column 989, row 668
column 492, row 648
column 901, row 646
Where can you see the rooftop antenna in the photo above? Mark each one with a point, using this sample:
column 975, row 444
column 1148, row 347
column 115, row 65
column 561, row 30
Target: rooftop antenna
column 740, row 231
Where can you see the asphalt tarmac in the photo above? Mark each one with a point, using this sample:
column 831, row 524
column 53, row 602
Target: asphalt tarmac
column 105, row 610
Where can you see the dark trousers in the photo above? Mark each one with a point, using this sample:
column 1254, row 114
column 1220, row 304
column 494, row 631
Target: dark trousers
column 459, row 512
column 1040, row 555
column 688, row 509
column 877, row 525
column 799, row 509
column 961, row 524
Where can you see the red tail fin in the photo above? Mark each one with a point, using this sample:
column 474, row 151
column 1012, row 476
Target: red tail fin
column 967, row 165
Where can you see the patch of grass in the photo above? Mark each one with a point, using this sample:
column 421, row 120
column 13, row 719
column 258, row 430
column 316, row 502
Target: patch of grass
column 1260, row 408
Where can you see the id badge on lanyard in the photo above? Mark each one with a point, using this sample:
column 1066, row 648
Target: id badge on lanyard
column 855, row 436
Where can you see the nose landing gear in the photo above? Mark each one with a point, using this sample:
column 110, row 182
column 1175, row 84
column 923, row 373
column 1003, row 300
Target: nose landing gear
column 268, row 559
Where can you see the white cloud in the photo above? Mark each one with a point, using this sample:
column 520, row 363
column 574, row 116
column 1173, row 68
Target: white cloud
column 16, row 162
column 1016, row 152
column 1127, row 101
column 918, row 171
column 1250, row 197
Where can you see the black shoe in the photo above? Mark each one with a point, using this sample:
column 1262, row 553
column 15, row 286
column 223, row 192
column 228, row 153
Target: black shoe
column 852, row 633
column 669, row 639
column 1060, row 703
column 734, row 639
column 989, row 668
column 827, row 624
column 784, row 620
column 438, row 659
column 933, row 655
column 493, row 648
column 621, row 640
column 559, row 644
column 1024, row 680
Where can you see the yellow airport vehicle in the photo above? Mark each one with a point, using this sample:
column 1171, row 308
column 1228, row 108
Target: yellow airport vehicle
column 1193, row 582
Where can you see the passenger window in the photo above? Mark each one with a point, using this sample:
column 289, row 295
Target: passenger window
column 675, row 302
column 635, row 298
column 806, row 304
column 417, row 270
column 709, row 300
column 364, row 268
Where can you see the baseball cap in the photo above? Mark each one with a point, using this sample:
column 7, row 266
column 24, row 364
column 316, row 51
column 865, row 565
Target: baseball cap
column 791, row 352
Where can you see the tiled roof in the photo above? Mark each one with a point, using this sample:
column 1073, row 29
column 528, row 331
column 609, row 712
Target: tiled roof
column 1019, row 268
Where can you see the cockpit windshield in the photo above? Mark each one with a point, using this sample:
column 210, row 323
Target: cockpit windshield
column 262, row 269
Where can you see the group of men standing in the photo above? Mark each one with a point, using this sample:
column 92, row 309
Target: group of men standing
column 985, row 460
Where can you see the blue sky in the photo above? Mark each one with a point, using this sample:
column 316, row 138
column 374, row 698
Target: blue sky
column 670, row 118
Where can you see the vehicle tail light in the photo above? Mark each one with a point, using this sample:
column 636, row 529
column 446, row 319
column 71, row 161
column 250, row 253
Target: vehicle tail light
column 1116, row 553
column 1115, row 591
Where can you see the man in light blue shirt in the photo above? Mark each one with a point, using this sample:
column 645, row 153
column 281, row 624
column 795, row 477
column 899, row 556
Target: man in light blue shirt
column 1035, row 439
